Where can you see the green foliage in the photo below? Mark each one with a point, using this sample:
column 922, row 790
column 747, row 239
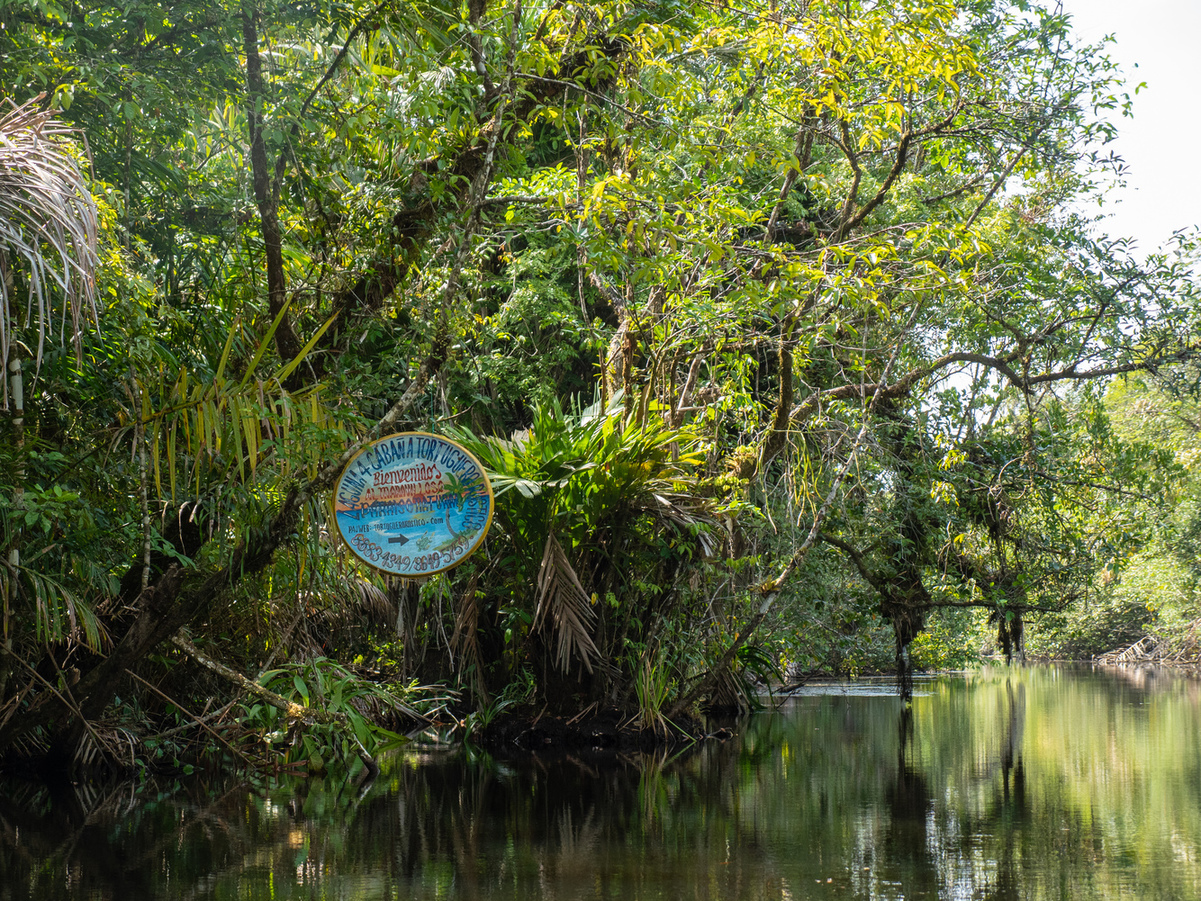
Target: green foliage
column 823, row 264
column 952, row 640
column 594, row 505
column 48, row 222
column 585, row 472
column 653, row 690
column 353, row 706
column 535, row 348
column 1147, row 582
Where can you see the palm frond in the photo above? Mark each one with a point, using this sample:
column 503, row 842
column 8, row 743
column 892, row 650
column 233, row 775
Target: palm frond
column 58, row 615
column 221, row 421
column 563, row 601
column 48, row 221
column 465, row 641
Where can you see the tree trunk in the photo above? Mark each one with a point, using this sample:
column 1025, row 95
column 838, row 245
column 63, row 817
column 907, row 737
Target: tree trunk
column 266, row 190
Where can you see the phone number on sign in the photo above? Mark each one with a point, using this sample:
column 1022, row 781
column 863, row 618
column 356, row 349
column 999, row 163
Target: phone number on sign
column 404, row 563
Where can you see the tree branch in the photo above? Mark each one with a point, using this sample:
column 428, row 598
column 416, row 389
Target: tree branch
column 292, row 710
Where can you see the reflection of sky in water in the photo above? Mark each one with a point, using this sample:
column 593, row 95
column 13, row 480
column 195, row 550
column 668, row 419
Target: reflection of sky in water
column 884, row 686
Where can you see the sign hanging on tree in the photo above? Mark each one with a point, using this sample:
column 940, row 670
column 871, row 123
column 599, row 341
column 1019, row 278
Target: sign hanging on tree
column 413, row 504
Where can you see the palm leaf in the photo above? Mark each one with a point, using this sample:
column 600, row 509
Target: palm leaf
column 58, row 614
column 563, row 602
column 48, row 221
column 465, row 640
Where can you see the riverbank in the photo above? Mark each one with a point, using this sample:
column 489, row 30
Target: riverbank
column 592, row 730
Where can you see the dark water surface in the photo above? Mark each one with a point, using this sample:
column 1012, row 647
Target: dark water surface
column 1039, row 783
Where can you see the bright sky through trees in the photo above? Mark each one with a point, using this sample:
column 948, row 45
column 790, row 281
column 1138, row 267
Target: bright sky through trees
column 1156, row 43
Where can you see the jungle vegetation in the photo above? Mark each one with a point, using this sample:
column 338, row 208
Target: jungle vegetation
column 784, row 330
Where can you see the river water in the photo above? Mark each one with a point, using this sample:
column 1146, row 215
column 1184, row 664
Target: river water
column 1034, row 783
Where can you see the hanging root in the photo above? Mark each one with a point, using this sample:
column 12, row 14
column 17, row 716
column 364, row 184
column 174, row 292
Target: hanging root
column 1010, row 634
column 907, row 623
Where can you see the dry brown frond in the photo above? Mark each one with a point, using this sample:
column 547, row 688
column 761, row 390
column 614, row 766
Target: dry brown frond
column 48, row 220
column 104, row 747
column 373, row 601
column 563, row 600
column 688, row 513
column 465, row 640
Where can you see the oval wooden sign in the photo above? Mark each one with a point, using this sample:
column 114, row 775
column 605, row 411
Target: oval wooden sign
column 413, row 504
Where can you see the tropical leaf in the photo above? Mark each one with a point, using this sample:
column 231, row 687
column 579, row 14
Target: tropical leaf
column 58, row 614
column 48, row 221
column 244, row 418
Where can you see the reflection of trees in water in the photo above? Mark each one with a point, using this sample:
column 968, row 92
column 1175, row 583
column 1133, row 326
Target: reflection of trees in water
column 132, row 841
column 935, row 802
column 1141, row 677
column 487, row 817
column 1011, row 755
column 471, row 826
column 907, row 858
column 557, row 825
column 1004, row 818
column 934, row 848
column 722, row 822
column 51, row 829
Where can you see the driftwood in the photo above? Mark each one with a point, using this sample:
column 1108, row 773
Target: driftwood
column 1159, row 649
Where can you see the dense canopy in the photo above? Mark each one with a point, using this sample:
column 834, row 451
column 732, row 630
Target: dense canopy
column 782, row 329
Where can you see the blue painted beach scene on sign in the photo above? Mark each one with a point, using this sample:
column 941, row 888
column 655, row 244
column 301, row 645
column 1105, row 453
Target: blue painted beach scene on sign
column 413, row 504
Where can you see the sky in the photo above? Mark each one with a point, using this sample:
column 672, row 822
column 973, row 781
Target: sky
column 1157, row 43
